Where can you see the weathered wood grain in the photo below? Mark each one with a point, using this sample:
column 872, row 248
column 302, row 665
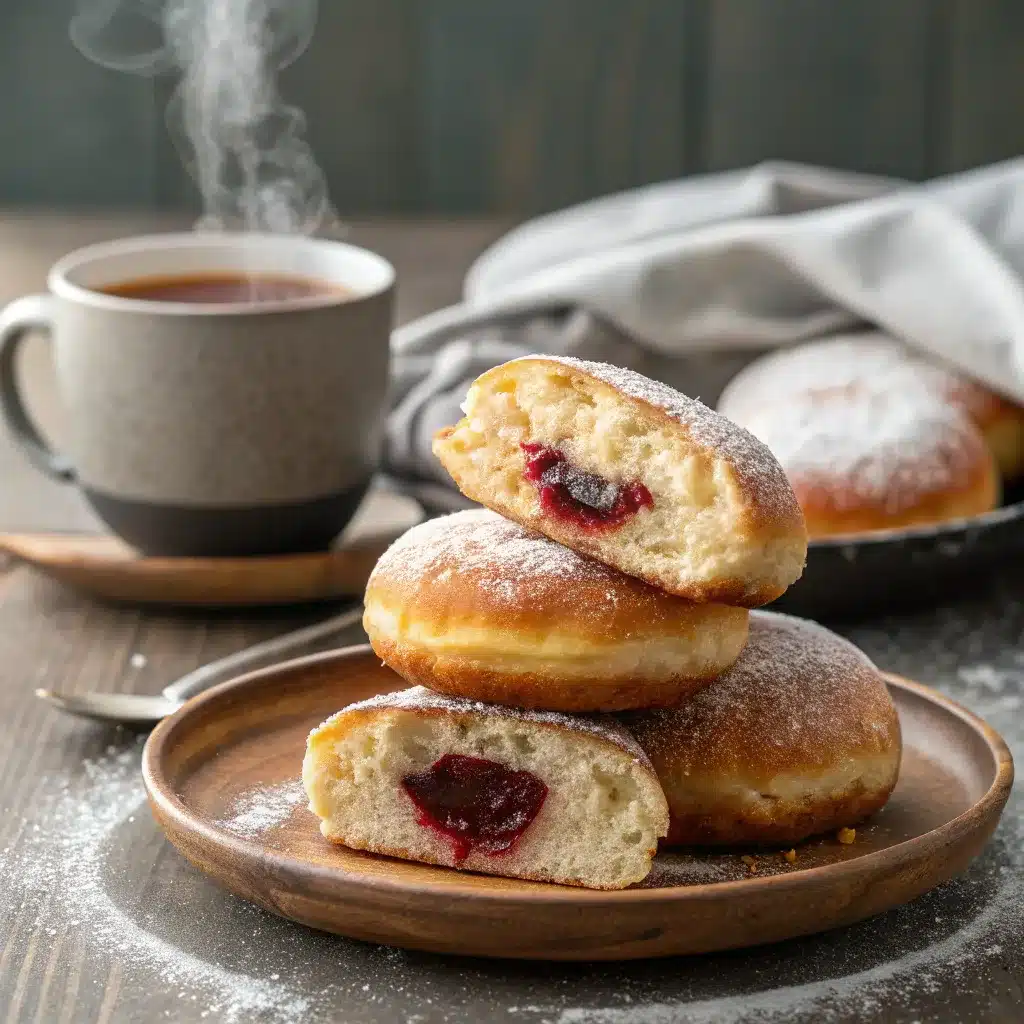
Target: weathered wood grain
column 984, row 101
column 50, row 637
column 533, row 105
column 840, row 84
column 248, row 736
column 70, row 131
column 484, row 105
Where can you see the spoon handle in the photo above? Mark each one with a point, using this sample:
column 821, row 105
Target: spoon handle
column 318, row 637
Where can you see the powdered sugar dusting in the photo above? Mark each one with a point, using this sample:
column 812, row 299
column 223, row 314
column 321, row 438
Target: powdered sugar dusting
column 891, row 449
column 765, row 700
column 68, row 855
column 260, row 810
column 496, row 550
column 510, row 566
column 751, row 461
column 671, row 869
column 419, row 698
column 89, row 882
column 869, row 361
column 72, row 869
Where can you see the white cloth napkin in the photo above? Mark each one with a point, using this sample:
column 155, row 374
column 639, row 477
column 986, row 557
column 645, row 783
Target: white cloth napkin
column 687, row 280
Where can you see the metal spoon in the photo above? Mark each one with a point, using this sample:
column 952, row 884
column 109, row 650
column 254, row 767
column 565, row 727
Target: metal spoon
column 139, row 710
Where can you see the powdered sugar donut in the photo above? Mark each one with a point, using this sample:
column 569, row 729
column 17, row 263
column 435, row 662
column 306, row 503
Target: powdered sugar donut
column 476, row 605
column 860, row 460
column 532, row 795
column 799, row 737
column 632, row 473
column 876, row 362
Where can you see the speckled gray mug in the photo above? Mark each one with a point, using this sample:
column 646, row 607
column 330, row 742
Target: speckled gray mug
column 196, row 429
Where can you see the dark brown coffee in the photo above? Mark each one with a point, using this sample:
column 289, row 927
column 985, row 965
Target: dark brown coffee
column 219, row 289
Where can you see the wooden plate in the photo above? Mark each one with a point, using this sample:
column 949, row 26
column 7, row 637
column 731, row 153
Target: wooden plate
column 222, row 780
column 105, row 567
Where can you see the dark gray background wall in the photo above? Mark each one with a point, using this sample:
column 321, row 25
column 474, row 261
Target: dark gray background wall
column 514, row 106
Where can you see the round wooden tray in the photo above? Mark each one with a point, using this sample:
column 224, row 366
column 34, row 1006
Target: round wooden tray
column 247, row 736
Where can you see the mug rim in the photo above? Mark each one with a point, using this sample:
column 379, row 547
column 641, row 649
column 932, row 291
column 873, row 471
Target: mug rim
column 60, row 284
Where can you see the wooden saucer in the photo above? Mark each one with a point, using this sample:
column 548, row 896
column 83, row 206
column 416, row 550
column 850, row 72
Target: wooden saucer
column 240, row 746
column 105, row 567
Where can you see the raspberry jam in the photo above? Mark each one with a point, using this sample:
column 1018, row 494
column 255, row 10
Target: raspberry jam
column 475, row 803
column 586, row 499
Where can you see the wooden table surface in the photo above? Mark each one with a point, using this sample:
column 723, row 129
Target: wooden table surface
column 100, row 920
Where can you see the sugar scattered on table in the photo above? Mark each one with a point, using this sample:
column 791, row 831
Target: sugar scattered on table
column 66, row 855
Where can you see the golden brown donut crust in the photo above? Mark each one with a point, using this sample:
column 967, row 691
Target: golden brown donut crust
column 875, row 362
column 474, row 605
column 464, row 677
column 838, row 509
column 799, row 737
column 860, row 461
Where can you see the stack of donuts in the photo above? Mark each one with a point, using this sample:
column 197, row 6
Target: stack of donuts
column 588, row 677
column 873, row 437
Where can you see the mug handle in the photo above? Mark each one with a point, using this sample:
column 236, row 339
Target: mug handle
column 18, row 320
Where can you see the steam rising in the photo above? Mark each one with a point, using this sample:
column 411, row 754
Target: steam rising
column 240, row 142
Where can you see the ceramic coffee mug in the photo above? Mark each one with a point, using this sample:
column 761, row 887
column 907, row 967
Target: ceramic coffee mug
column 199, row 428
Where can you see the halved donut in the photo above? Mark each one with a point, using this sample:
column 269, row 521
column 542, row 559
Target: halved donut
column 632, row 473
column 535, row 795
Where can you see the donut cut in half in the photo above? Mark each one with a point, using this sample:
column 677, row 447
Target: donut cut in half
column 536, row 795
column 630, row 472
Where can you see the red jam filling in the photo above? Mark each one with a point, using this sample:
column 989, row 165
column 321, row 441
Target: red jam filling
column 585, row 499
column 475, row 803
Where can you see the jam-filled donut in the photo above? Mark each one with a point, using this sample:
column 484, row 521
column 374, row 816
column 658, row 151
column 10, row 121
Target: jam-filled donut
column 475, row 605
column 799, row 737
column 527, row 794
column 630, row 472
column 875, row 362
column 860, row 460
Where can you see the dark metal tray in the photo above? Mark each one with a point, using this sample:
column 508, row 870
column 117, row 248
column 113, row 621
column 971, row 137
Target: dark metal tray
column 856, row 576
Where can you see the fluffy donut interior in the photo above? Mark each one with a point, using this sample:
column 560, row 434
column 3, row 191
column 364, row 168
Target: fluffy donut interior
column 697, row 528
column 557, row 652
column 598, row 827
